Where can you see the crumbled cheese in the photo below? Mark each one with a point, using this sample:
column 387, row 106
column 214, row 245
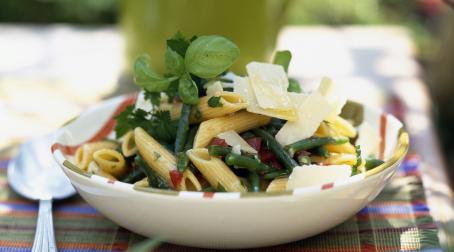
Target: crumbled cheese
column 313, row 110
column 234, row 139
column 243, row 87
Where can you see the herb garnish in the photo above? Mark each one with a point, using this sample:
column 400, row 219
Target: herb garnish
column 215, row 101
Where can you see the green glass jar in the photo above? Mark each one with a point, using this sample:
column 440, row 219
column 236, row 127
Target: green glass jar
column 252, row 24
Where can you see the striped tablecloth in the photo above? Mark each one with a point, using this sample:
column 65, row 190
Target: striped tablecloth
column 398, row 220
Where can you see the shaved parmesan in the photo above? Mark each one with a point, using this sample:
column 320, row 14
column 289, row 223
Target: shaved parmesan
column 270, row 84
column 334, row 95
column 312, row 175
column 214, row 89
column 368, row 139
column 311, row 113
column 243, row 87
column 233, row 139
column 236, row 149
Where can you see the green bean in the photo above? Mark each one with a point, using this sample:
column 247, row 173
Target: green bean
column 274, row 174
column 183, row 127
column 154, row 180
column 254, row 180
column 358, row 160
column 372, row 163
column 218, row 151
column 277, row 149
column 182, row 161
column 313, row 142
column 247, row 135
column 320, row 151
column 249, row 163
column 190, row 138
column 135, row 175
column 182, row 137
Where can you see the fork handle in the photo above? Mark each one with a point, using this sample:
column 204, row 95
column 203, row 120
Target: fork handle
column 44, row 236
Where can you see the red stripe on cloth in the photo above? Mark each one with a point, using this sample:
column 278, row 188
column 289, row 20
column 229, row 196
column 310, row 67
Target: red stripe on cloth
column 383, row 122
column 327, row 186
column 103, row 132
column 110, row 181
column 379, row 216
column 208, row 195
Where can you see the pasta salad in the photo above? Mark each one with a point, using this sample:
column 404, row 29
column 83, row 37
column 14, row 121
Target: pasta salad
column 199, row 127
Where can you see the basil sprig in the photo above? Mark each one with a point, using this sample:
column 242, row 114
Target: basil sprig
column 203, row 57
column 209, row 56
column 148, row 79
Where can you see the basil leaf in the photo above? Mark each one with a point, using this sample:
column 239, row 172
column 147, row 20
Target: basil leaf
column 188, row 91
column 174, row 62
column 215, row 101
column 282, row 58
column 293, row 86
column 209, row 56
column 147, row 79
column 178, row 43
column 153, row 97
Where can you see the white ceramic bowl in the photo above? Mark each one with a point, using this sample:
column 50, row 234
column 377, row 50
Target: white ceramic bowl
column 227, row 220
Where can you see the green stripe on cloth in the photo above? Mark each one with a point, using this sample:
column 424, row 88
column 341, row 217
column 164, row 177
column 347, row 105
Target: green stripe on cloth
column 397, row 220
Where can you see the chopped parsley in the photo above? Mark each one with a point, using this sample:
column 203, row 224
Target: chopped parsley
column 215, row 101
column 158, row 124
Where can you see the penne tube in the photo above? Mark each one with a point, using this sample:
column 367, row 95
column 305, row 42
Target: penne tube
column 277, row 185
column 157, row 157
column 342, row 127
column 190, row 182
column 162, row 161
column 84, row 154
column 335, row 159
column 93, row 168
column 128, row 145
column 231, row 102
column 341, row 148
column 110, row 161
column 142, row 183
column 238, row 122
column 215, row 171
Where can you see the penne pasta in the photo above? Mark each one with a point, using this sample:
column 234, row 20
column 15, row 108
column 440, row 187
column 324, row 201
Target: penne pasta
column 110, row 161
column 277, row 185
column 142, row 183
column 231, row 102
column 341, row 127
column 128, row 145
column 161, row 160
column 341, row 148
column 190, row 182
column 93, row 168
column 157, row 157
column 215, row 171
column 238, row 122
column 84, row 154
column 336, row 159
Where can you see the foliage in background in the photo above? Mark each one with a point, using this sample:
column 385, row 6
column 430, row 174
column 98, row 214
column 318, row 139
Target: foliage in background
column 418, row 15
column 64, row 11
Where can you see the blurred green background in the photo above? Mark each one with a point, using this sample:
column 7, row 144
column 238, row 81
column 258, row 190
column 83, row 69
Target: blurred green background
column 430, row 23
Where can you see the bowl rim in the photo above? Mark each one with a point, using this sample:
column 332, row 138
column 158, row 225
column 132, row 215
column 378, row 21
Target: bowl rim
column 398, row 154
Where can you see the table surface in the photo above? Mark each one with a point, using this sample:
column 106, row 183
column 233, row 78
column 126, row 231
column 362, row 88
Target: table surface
column 48, row 74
